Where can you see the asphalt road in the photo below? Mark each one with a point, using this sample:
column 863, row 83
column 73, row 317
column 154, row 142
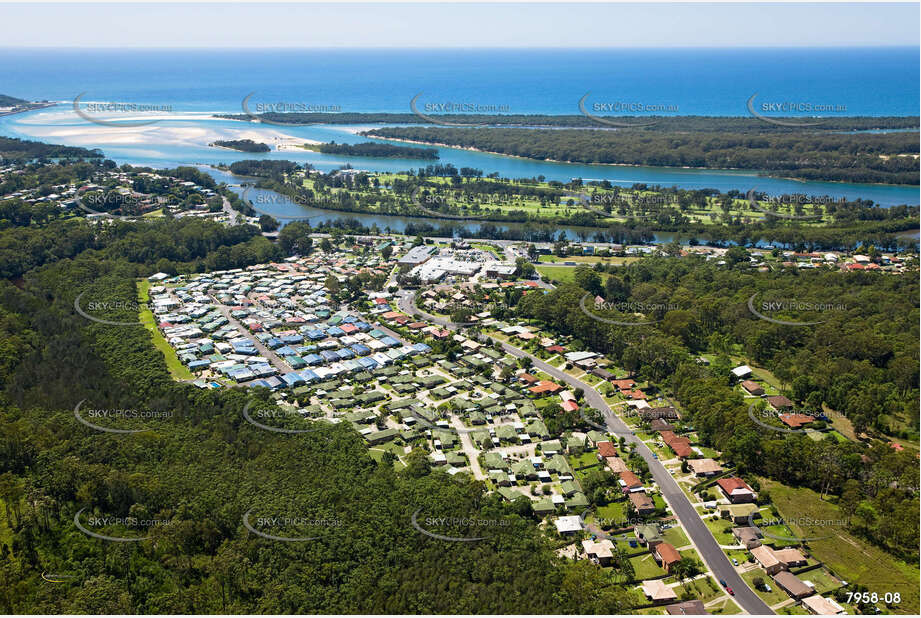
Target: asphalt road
column 709, row 550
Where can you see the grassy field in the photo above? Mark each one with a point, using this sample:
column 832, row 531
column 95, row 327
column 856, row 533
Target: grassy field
column 146, row 316
column 850, row 558
column 563, row 274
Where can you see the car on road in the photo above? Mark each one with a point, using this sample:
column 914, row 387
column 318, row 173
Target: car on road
column 729, row 590
column 723, row 583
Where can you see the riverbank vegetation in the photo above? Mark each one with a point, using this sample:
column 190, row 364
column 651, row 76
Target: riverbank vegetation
column 604, row 212
column 890, row 158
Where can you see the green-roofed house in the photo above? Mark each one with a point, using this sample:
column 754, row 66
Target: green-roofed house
column 569, row 488
column 506, row 433
column 558, row 464
column 543, row 507
column 648, row 534
column 594, row 437
column 537, row 427
column 551, row 447
column 577, row 501
column 386, row 435
column 494, row 461
column 499, row 477
column 739, row 513
column 524, row 470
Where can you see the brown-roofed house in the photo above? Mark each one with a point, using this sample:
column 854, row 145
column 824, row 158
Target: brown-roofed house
column 791, row 557
column 748, row 536
column 736, row 490
column 527, row 378
column 793, row 585
column 630, row 480
column 623, row 385
column 680, row 445
column 666, row 555
column 704, row 467
column 817, row 604
column 657, row 424
column 779, row 402
column 642, row 503
column 795, row 420
column 752, row 387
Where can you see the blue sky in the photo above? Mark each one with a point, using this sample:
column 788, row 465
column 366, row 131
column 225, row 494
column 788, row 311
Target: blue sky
column 253, row 24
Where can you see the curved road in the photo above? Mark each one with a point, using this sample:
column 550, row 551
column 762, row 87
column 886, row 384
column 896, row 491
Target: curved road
column 700, row 535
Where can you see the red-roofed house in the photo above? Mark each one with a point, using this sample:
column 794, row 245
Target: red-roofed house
column 736, row 490
column 544, row 387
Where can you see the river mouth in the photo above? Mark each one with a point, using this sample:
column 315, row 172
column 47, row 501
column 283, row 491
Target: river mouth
column 183, row 138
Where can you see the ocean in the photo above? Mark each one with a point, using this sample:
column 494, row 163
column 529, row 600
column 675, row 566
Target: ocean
column 192, row 84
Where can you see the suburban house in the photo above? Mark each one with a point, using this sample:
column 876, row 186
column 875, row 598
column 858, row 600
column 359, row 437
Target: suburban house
column 819, row 605
column 705, row 467
column 796, row 421
column 793, row 585
column 666, row 555
column 642, row 503
column 606, row 449
column 742, row 371
column 680, row 445
column 779, row 402
column 657, row 590
column 736, row 490
column 739, row 513
column 752, row 388
column 630, row 481
column 773, row 561
column 600, row 551
column 568, row 524
column 748, row 536
column 648, row 534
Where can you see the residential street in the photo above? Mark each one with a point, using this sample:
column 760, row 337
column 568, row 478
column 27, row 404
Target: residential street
column 697, row 531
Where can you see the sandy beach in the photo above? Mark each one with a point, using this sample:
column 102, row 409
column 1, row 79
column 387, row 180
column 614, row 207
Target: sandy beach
column 63, row 126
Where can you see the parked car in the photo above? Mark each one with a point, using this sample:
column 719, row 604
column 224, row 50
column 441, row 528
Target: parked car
column 723, row 583
column 735, row 562
column 729, row 590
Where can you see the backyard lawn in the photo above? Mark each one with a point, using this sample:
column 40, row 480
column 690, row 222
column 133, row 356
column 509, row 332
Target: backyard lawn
column 644, row 567
column 775, row 596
